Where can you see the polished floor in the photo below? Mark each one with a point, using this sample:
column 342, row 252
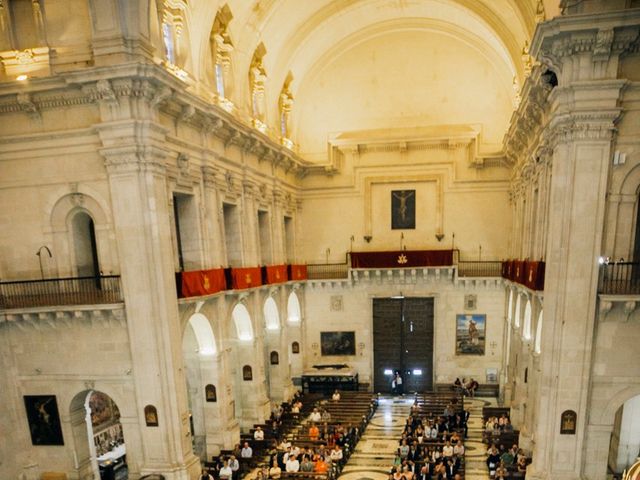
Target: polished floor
column 373, row 456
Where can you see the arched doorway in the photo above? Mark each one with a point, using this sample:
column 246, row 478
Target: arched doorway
column 201, row 363
column 85, row 247
column 277, row 371
column 98, row 437
column 624, row 448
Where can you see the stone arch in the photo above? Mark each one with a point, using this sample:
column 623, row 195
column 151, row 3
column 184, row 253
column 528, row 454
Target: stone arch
column 526, row 329
column 537, row 345
column 615, row 402
column 242, row 322
column 294, row 314
column 80, row 417
column 59, row 213
column 510, row 307
column 271, row 315
column 518, row 311
column 204, row 334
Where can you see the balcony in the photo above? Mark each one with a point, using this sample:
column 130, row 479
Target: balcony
column 60, row 291
column 622, row 278
column 479, row 268
column 327, row 271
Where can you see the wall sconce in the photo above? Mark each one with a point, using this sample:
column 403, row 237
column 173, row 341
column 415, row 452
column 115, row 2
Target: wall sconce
column 367, row 238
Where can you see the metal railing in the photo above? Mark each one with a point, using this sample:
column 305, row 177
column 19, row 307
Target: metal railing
column 327, row 271
column 479, row 269
column 622, row 278
column 60, row 291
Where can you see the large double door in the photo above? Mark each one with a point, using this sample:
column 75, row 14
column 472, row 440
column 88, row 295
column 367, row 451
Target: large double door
column 403, row 341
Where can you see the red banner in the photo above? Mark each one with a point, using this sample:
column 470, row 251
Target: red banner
column 246, row 277
column 202, row 282
column 297, row 272
column 402, row 258
column 529, row 274
column 277, row 274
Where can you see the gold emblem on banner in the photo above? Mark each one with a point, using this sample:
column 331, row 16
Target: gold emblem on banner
column 402, row 259
column 206, row 282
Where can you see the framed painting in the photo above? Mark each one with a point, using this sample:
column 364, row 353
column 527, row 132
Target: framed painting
column 338, row 343
column 403, row 209
column 210, row 393
column 151, row 416
column 470, row 334
column 44, row 419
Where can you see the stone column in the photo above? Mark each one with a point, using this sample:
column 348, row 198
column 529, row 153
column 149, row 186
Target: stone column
column 137, row 180
column 214, row 235
column 583, row 53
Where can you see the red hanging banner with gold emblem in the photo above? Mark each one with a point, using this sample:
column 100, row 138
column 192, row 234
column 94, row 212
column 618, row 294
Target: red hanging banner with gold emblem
column 246, row 277
column 203, row 282
column 402, row 258
column 277, row 274
column 297, row 272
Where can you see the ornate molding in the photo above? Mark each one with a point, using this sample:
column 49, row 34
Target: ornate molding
column 37, row 319
column 133, row 159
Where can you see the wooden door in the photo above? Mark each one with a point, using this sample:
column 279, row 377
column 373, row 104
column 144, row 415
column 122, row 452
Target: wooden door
column 403, row 341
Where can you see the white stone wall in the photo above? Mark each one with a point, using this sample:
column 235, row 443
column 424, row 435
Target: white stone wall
column 356, row 314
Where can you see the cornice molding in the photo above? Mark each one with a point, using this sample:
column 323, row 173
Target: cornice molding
column 158, row 90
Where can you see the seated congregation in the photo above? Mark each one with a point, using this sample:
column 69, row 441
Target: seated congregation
column 308, row 437
column 432, row 443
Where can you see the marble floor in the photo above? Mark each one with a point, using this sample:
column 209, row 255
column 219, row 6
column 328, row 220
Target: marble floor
column 373, row 456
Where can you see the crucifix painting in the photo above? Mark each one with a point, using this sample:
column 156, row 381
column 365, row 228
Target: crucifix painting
column 403, row 209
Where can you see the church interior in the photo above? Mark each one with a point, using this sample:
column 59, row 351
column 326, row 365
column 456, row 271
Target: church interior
column 212, row 210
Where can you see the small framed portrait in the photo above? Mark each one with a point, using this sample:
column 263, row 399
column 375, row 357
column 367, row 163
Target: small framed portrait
column 295, row 348
column 151, row 416
column 210, row 394
column 247, row 373
column 274, row 358
column 568, row 421
column 44, row 419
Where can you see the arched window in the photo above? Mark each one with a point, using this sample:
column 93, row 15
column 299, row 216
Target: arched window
column 84, row 245
column 538, row 341
column 242, row 320
column 510, row 308
column 271, row 316
column 204, row 334
column 526, row 331
column 293, row 309
column 518, row 311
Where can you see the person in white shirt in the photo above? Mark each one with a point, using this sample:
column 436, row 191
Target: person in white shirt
column 258, row 434
column 234, row 464
column 458, row 449
column 336, row 454
column 315, row 416
column 247, row 451
column 292, row 465
column 447, row 450
column 335, row 396
column 225, row 472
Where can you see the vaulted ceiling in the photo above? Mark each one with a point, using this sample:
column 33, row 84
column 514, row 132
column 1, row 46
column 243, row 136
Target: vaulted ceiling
column 371, row 64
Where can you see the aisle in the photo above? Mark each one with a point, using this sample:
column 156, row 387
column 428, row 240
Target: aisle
column 475, row 450
column 374, row 454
